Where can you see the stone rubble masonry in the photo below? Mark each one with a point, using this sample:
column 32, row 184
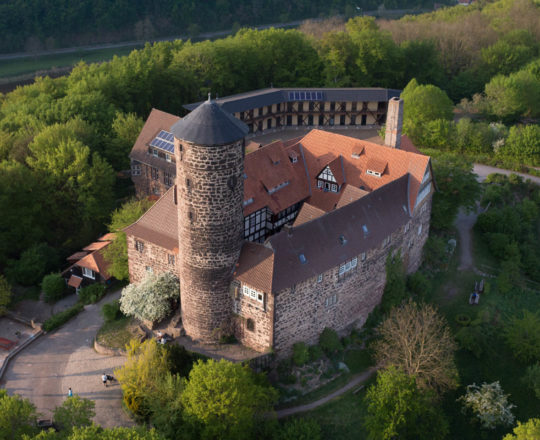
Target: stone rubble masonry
column 261, row 337
column 210, row 188
column 153, row 256
column 302, row 313
column 145, row 185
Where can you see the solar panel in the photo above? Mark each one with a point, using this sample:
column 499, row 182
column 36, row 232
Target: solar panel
column 164, row 141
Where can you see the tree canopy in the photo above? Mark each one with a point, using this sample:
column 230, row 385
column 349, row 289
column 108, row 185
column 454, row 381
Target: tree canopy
column 226, row 399
column 416, row 339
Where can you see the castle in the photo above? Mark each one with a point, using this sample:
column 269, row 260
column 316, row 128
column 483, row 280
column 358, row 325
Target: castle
column 276, row 245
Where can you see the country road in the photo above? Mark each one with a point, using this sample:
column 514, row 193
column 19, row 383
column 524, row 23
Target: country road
column 202, row 36
column 484, row 170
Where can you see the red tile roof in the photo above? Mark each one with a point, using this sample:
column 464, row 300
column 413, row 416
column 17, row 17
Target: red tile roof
column 77, row 256
column 159, row 224
column 107, row 237
column 74, row 281
column 350, row 194
column 96, row 245
column 96, row 262
column 382, row 211
column 307, row 213
column 267, row 168
column 157, row 121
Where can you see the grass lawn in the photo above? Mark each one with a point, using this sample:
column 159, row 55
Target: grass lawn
column 115, row 334
column 13, row 68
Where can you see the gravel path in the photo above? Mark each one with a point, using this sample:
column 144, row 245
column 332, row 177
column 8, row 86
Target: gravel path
column 309, row 406
column 65, row 358
column 483, row 170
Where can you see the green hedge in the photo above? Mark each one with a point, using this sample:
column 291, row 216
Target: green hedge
column 92, row 293
column 57, row 320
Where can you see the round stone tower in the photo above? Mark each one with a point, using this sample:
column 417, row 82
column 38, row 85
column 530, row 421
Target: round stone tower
column 209, row 149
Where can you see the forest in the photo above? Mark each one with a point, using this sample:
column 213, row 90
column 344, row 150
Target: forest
column 64, row 141
column 32, row 25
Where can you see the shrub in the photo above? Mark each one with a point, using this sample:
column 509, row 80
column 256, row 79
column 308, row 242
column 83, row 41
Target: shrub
column 111, row 311
column 489, row 404
column 5, row 295
column 523, row 336
column 300, row 429
column 54, row 287
column 329, row 341
column 532, row 379
column 463, row 319
column 91, row 294
column 57, row 320
column 315, row 353
column 34, row 263
column 475, row 339
column 300, row 353
column 419, row 285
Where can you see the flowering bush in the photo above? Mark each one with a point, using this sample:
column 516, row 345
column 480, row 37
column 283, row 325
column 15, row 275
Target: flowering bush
column 489, row 403
column 150, row 300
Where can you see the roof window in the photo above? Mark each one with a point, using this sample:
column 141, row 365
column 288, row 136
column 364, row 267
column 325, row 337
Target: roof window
column 373, row 173
column 248, row 201
column 342, row 239
column 302, row 258
column 357, row 152
column 293, row 156
column 276, row 188
column 365, row 229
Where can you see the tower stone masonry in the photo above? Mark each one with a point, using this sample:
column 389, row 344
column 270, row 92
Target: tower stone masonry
column 209, row 149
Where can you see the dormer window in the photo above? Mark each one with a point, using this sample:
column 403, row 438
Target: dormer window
column 293, row 156
column 342, row 239
column 357, row 152
column 248, row 202
column 373, row 173
column 302, row 258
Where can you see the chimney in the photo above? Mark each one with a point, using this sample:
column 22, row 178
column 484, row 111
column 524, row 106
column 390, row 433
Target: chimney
column 394, row 123
column 289, row 229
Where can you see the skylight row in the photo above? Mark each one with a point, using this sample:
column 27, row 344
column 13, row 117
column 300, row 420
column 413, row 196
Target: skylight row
column 305, row 96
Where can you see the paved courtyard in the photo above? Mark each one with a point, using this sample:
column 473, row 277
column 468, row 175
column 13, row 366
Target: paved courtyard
column 65, row 358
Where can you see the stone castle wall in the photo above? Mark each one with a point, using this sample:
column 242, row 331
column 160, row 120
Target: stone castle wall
column 210, row 224
column 339, row 302
column 259, row 336
column 152, row 256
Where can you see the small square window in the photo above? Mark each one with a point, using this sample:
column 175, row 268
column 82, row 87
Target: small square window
column 149, row 269
column 171, row 259
column 139, row 246
column 319, row 278
column 363, row 256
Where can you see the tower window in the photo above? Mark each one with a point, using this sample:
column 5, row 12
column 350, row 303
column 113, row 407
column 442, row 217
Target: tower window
column 139, row 246
column 250, row 325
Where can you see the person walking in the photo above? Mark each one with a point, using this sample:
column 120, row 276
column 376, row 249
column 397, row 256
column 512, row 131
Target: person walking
column 70, row 392
column 104, row 379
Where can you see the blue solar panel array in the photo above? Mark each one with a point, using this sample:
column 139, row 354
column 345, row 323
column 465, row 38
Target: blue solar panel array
column 164, row 140
column 305, row 96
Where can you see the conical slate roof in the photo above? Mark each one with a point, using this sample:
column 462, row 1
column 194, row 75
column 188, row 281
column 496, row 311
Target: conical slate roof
column 209, row 124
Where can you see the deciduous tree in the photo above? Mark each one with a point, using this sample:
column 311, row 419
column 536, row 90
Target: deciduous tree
column 226, row 399
column 489, row 404
column 530, row 430
column 417, row 339
column 151, row 299
column 17, row 416
column 397, row 408
column 74, row 412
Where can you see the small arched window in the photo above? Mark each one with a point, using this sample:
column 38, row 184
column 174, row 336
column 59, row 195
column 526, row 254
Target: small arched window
column 250, row 324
